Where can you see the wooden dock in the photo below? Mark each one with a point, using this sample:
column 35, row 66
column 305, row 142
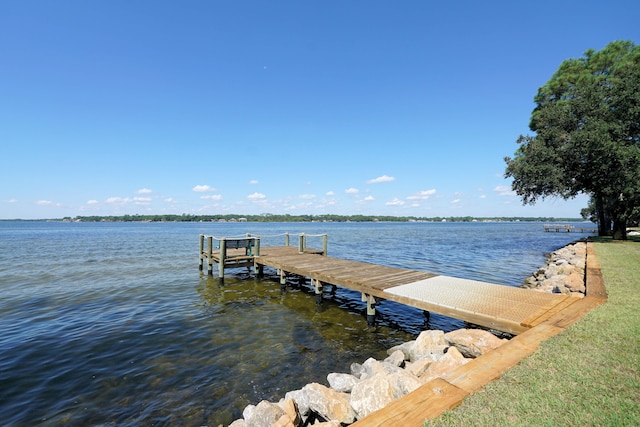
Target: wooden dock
column 441, row 394
column 567, row 228
column 505, row 308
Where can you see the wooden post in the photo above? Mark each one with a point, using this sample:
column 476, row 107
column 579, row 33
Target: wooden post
column 257, row 269
column 201, row 255
column 223, row 255
column 283, row 279
column 210, row 256
column 286, row 239
column 324, row 244
column 317, row 284
column 301, row 243
column 371, row 308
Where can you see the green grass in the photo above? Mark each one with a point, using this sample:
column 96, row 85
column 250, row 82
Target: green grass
column 586, row 376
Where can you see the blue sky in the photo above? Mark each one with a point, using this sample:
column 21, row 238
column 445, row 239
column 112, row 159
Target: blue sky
column 302, row 107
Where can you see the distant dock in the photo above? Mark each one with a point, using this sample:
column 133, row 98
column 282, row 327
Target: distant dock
column 505, row 308
column 568, row 228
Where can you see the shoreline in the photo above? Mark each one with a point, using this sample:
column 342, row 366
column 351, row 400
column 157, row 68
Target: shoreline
column 372, row 385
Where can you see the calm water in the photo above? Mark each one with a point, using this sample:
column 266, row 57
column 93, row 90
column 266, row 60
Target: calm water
column 114, row 323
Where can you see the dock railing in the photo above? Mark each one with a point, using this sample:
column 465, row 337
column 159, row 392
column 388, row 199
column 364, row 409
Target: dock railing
column 240, row 251
column 229, row 252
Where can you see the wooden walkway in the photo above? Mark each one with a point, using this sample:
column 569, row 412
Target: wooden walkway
column 432, row 399
column 505, row 308
column 532, row 316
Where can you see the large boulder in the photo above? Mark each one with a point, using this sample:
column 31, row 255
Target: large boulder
column 342, row 383
column 265, row 414
column 403, row 382
column 301, row 399
column 575, row 282
column 427, row 344
column 418, row 367
column 447, row 363
column 371, row 394
column 291, row 417
column 373, row 367
column 405, row 348
column 329, row 404
column 473, row 342
column 396, row 358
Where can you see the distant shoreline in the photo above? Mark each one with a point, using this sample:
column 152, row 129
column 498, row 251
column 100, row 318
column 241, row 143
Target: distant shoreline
column 293, row 218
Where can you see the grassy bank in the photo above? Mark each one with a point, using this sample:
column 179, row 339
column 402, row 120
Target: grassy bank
column 586, row 376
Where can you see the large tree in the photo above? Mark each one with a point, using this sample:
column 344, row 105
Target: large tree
column 586, row 140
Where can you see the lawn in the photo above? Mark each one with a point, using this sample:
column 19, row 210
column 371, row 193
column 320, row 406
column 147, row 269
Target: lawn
column 585, row 376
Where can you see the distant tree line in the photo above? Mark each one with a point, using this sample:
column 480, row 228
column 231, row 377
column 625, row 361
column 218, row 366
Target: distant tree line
column 302, row 218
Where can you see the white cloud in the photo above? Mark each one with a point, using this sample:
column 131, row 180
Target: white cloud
column 92, row 202
column 456, row 201
column 368, row 199
column 504, row 190
column 483, row 196
column 383, row 178
column 203, row 188
column 307, row 196
column 352, row 190
column 256, row 196
column 118, row 200
column 253, row 182
column 330, row 193
column 422, row 195
column 144, row 191
column 212, row 197
column 12, row 201
column 45, row 203
column 395, row 202
column 142, row 200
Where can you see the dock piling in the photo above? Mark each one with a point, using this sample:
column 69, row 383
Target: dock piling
column 301, row 243
column 223, row 255
column 210, row 256
column 371, row 308
column 317, row 284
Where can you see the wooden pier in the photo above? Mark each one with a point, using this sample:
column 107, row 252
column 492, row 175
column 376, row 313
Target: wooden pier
column 505, row 308
column 567, row 228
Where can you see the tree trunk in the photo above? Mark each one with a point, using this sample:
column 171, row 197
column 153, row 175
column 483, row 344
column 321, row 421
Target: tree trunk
column 619, row 229
column 604, row 223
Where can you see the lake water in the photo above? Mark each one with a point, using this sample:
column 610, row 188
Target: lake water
column 113, row 323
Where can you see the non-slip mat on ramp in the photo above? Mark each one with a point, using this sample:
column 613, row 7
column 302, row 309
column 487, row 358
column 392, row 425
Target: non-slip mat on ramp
column 504, row 302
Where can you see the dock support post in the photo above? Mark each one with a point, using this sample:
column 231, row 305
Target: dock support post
column 427, row 315
column 324, row 244
column 210, row 255
column 223, row 256
column 317, row 284
column 283, row 279
column 371, row 308
column 301, row 243
column 257, row 270
column 201, row 255
column 286, row 239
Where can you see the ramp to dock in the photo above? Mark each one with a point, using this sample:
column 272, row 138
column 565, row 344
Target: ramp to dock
column 505, row 308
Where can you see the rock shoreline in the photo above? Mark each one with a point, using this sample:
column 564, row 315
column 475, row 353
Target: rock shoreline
column 372, row 385
column 563, row 273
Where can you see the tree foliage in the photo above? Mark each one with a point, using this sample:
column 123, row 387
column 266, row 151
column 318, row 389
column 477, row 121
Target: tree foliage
column 587, row 136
